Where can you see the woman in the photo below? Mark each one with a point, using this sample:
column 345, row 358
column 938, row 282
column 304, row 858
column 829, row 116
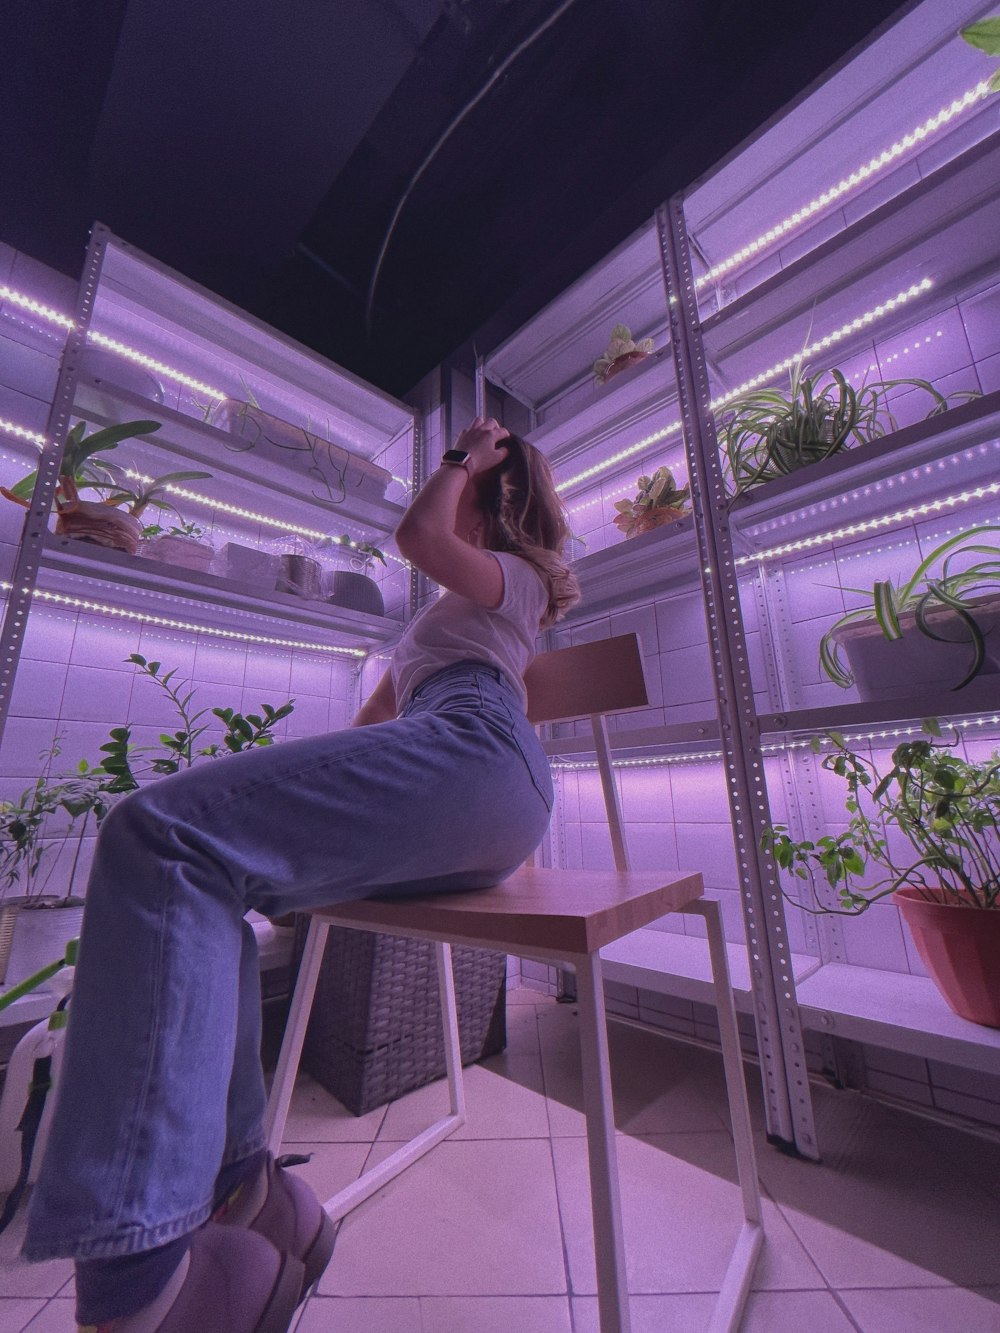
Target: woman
column 156, row 1180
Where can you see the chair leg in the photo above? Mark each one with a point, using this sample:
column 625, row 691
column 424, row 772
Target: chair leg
column 739, row 1275
column 609, row 1249
column 295, row 1034
column 365, row 1186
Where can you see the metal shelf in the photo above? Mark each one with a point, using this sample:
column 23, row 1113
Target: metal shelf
column 205, row 446
column 73, row 568
column 897, row 1011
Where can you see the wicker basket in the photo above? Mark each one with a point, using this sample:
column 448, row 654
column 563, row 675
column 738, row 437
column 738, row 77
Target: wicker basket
column 375, row 1030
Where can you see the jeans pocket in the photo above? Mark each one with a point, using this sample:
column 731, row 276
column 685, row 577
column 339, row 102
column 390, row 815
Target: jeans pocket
column 536, row 761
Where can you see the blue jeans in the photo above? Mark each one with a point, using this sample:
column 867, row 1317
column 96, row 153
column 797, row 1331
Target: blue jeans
column 161, row 1085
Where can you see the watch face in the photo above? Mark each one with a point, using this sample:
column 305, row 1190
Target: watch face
column 454, row 456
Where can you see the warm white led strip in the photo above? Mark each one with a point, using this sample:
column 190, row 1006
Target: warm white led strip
column 236, row 511
column 150, row 363
column 859, row 177
column 820, row 345
column 166, row 622
column 702, row 756
column 21, row 432
column 872, row 524
column 36, row 308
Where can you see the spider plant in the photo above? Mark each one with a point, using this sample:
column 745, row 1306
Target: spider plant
column 767, row 433
column 926, row 597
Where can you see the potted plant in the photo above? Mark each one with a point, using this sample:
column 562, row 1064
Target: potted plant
column 659, row 501
column 31, row 847
column 947, row 886
column 622, row 352
column 767, row 434
column 353, row 586
column 113, row 520
column 928, row 631
column 334, row 471
column 181, row 544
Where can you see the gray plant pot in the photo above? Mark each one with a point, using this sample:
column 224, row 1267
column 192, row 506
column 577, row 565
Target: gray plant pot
column 299, row 574
column 899, row 668
column 356, row 591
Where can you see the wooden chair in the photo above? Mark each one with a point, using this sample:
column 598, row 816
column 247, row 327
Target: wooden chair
column 557, row 916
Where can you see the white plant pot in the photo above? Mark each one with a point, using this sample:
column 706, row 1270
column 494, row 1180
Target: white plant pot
column 41, row 933
column 334, row 473
column 185, row 552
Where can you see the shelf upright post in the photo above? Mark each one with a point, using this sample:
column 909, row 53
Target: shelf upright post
column 779, row 1029
column 29, row 553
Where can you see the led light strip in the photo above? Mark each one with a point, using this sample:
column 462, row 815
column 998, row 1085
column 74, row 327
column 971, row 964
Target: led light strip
column 21, row 432
column 164, row 622
column 701, row 756
column 36, row 308
column 236, row 511
column 822, row 344
column 872, row 524
column 849, row 183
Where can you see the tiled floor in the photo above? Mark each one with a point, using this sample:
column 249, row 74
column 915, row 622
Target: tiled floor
column 898, row 1231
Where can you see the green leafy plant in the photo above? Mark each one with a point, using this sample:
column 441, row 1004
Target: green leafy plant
column 927, row 598
column 138, row 495
column 768, row 433
column 620, row 351
column 179, row 748
column 659, row 500
column 946, row 808
column 82, row 468
column 182, row 529
column 985, row 35
column 83, row 793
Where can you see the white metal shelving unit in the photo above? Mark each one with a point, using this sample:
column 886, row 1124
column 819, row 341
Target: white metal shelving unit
column 893, row 274
column 194, row 349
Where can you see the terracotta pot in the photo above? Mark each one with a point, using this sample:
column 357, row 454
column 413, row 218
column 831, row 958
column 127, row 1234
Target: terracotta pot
column 104, row 525
column 960, row 947
column 652, row 518
column 622, row 363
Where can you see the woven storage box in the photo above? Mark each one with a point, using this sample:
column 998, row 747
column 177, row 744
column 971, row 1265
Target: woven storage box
column 375, row 1030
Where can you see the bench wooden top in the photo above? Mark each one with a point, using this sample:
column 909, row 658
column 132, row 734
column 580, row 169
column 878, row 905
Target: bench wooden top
column 550, row 912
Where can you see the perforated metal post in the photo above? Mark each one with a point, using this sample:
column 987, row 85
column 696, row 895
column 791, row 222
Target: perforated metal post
column 779, row 1031
column 29, row 555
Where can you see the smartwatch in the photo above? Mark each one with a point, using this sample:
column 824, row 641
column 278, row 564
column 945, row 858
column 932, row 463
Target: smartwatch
column 457, row 458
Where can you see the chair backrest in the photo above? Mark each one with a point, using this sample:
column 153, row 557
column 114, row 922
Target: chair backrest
column 591, row 680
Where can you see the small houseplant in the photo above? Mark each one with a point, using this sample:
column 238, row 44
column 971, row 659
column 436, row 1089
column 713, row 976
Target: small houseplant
column 181, row 544
column 622, row 352
column 113, row 520
column 659, row 501
column 927, row 631
column 947, row 885
column 986, row 36
column 767, row 433
column 354, row 587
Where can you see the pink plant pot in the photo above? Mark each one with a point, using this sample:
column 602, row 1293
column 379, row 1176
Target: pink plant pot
column 960, row 947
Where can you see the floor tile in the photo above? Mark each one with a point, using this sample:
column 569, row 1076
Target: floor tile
column 333, row 1166
column 525, row 995
column 495, row 1314
column 469, row 1219
column 660, row 1086
column 873, row 1213
column 18, row 1278
column 503, row 1096
column 931, row 1310
column 522, row 1029
column 56, row 1317
column 16, row 1311
column 315, row 1116
column 360, row 1314
column 766, row 1312
column 681, row 1217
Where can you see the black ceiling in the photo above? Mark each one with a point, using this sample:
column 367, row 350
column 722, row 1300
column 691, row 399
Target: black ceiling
column 263, row 148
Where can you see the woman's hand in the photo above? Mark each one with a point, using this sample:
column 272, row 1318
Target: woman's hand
column 482, row 441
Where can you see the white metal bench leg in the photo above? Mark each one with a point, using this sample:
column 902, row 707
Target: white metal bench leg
column 295, row 1034
column 609, row 1249
column 739, row 1274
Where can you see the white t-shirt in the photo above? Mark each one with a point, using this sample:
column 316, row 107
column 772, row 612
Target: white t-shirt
column 454, row 629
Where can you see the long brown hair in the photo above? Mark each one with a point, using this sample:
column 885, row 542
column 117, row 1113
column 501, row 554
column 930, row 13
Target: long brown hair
column 525, row 516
